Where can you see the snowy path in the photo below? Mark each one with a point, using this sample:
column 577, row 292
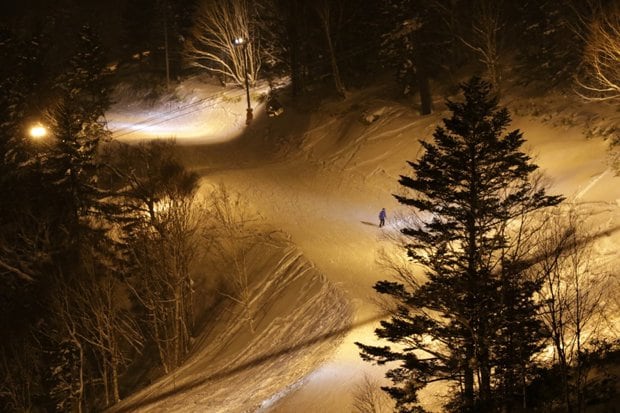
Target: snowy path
column 335, row 227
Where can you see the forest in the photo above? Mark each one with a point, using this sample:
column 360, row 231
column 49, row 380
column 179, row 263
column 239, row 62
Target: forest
column 100, row 239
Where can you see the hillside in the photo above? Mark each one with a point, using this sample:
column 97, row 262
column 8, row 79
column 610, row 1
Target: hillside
column 320, row 173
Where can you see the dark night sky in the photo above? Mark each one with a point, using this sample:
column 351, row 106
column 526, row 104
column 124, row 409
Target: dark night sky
column 61, row 16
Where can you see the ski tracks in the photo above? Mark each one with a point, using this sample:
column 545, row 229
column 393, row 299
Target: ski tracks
column 299, row 319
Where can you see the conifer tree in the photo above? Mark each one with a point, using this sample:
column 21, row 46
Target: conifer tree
column 77, row 218
column 78, row 126
column 470, row 318
column 549, row 48
column 416, row 43
column 19, row 181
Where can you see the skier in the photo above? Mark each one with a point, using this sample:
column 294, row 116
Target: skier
column 382, row 216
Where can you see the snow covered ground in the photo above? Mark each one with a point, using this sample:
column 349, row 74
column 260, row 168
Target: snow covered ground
column 321, row 174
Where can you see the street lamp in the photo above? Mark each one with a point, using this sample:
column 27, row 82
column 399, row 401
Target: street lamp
column 243, row 43
column 37, row 131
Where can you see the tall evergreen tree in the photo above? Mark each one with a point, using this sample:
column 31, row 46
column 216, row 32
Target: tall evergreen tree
column 78, row 126
column 18, row 222
column 77, row 219
column 418, row 41
column 53, row 189
column 289, row 35
column 548, row 43
column 469, row 319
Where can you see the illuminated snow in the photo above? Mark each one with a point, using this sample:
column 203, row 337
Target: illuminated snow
column 330, row 175
column 215, row 118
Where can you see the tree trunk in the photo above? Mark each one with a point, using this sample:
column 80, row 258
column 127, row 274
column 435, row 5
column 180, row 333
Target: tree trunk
column 557, row 331
column 564, row 374
column 468, row 381
column 80, row 401
column 178, row 323
column 340, row 89
column 485, row 371
column 159, row 341
column 472, row 283
column 578, row 326
column 523, row 387
column 188, row 295
column 424, row 87
column 114, row 368
column 295, row 49
column 106, row 381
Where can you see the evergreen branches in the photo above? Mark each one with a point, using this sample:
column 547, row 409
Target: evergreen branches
column 473, row 321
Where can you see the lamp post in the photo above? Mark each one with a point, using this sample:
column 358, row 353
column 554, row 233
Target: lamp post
column 243, row 43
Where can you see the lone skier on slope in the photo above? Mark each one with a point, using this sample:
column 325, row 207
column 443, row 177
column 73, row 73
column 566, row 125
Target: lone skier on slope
column 382, row 216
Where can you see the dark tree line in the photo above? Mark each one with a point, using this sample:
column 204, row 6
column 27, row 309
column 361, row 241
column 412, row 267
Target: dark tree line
column 346, row 43
column 95, row 239
column 343, row 43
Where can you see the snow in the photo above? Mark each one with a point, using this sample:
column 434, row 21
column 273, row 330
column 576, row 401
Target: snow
column 321, row 175
column 216, row 116
column 235, row 369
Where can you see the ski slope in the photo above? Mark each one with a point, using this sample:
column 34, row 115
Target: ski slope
column 320, row 174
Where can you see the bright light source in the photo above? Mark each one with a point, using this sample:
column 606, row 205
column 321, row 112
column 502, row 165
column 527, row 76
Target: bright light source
column 239, row 41
column 38, row 131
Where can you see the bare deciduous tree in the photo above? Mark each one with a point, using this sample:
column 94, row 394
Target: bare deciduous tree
column 19, row 373
column 212, row 45
column 601, row 59
column 69, row 370
column 108, row 329
column 163, row 251
column 231, row 237
column 325, row 10
column 94, row 319
column 575, row 289
column 369, row 398
column 486, row 42
column 163, row 216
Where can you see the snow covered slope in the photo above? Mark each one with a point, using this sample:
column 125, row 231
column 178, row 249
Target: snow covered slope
column 321, row 174
column 298, row 319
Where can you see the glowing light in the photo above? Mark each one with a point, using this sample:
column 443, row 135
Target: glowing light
column 38, row 131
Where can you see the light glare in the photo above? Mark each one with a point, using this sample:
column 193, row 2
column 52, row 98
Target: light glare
column 38, row 131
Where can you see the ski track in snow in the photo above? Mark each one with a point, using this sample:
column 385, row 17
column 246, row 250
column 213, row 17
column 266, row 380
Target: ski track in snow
column 591, row 184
